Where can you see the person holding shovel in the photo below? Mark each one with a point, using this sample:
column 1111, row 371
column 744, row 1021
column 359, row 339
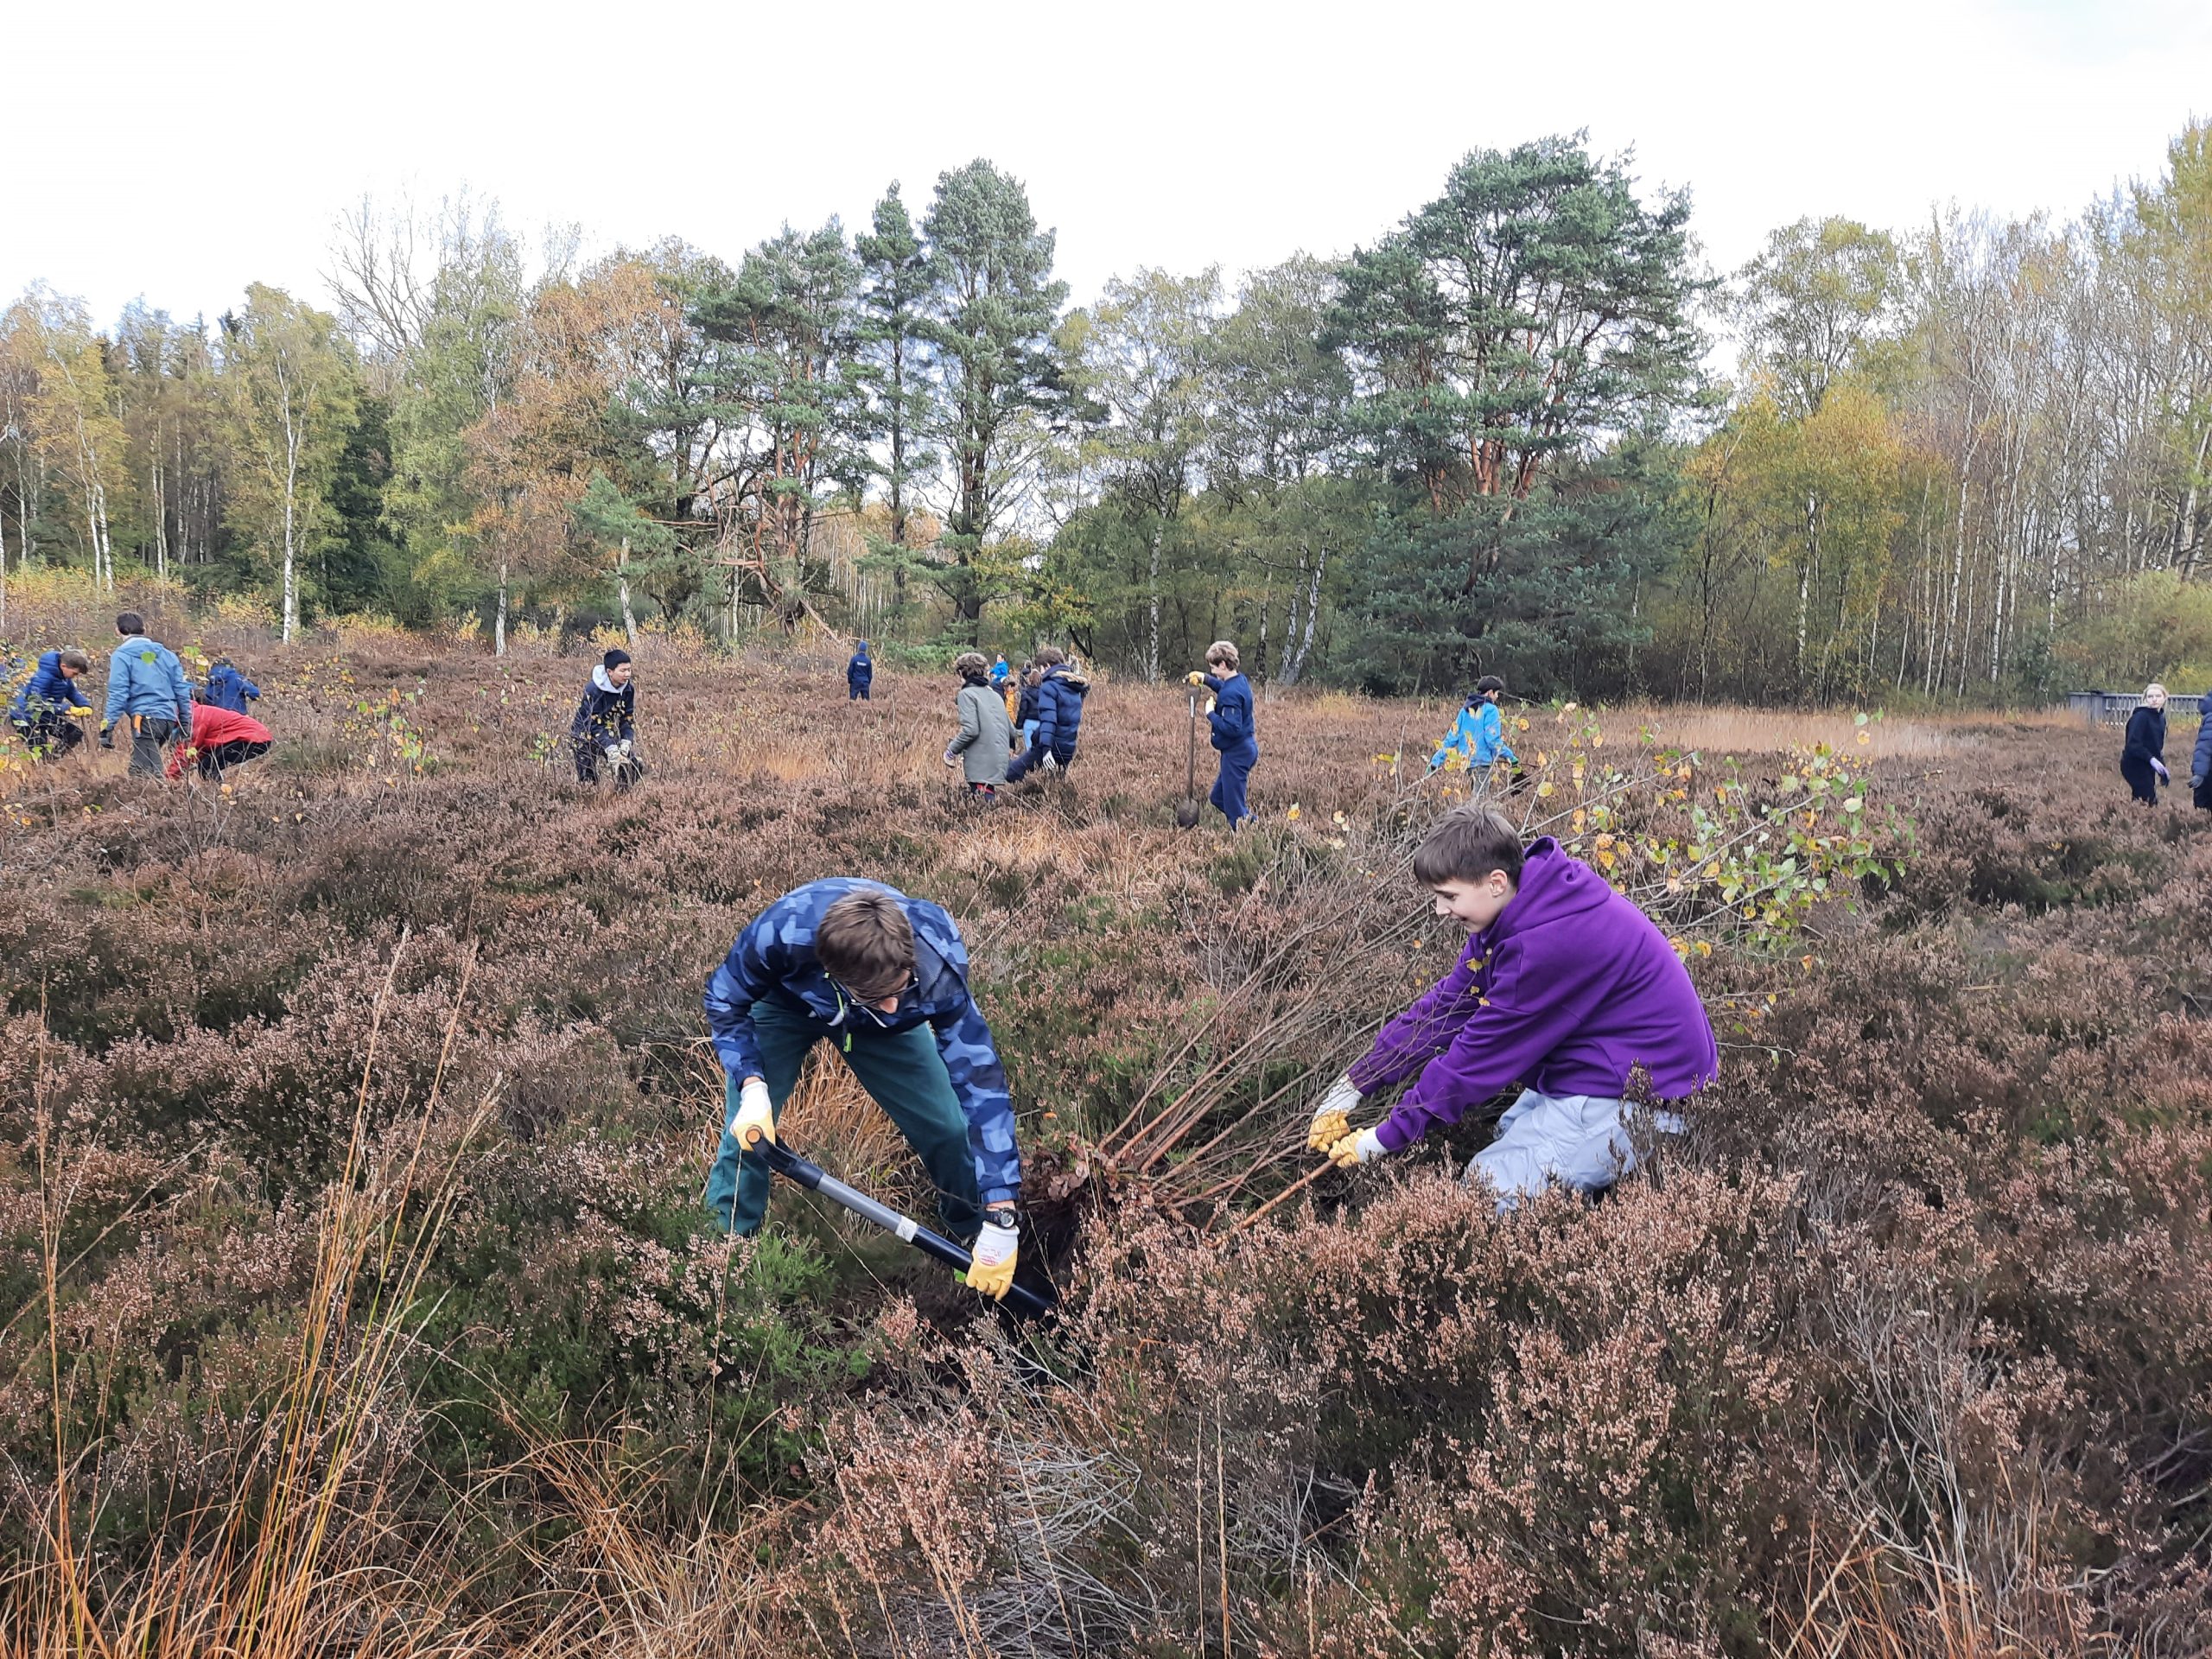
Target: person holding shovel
column 1565, row 989
column 884, row 978
column 1235, row 734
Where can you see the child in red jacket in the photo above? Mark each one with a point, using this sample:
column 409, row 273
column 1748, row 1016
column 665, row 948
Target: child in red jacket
column 220, row 739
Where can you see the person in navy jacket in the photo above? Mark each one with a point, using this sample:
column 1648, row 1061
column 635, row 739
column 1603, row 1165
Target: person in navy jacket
column 1060, row 692
column 1236, row 735
column 605, row 726
column 228, row 688
column 860, row 674
column 48, row 705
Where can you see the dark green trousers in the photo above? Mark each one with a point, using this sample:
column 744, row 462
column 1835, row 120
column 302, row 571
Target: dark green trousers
column 902, row 1072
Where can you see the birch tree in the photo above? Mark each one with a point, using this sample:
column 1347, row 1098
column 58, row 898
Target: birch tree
column 289, row 386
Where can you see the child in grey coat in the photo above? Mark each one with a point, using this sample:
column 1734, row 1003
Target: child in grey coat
column 986, row 736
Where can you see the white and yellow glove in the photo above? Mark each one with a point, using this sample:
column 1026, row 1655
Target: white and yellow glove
column 1332, row 1117
column 754, row 1117
column 991, row 1265
column 1354, row 1149
column 1195, row 678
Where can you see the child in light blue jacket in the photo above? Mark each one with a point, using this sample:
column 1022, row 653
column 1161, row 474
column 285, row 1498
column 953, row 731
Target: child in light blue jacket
column 1479, row 733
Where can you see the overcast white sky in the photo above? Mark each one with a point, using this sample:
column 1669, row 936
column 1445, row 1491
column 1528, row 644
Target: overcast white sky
column 179, row 150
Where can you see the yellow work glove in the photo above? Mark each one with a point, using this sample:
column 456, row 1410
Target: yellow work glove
column 82, row 711
column 1332, row 1117
column 991, row 1267
column 1362, row 1149
column 754, row 1116
column 1195, row 678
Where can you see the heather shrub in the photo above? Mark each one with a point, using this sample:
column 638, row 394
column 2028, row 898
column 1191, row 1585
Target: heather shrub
column 1903, row 1350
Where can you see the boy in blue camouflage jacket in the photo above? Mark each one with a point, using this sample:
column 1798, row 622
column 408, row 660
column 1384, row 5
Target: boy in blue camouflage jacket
column 885, row 977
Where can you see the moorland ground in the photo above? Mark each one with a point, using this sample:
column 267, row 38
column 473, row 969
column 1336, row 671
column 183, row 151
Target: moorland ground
column 357, row 1294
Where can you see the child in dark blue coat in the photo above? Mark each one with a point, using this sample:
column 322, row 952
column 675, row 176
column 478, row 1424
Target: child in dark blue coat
column 860, row 674
column 605, row 726
column 2143, row 762
column 228, row 688
column 1060, row 692
column 1235, row 734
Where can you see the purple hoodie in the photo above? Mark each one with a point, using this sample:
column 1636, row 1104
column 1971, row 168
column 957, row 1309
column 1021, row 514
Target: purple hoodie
column 1567, row 989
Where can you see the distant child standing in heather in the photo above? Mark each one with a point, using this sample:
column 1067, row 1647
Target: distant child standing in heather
column 860, row 674
column 1565, row 989
column 1479, row 733
column 2142, row 760
column 1235, row 736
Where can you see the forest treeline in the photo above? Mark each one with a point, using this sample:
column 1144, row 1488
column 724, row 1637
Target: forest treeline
column 1966, row 461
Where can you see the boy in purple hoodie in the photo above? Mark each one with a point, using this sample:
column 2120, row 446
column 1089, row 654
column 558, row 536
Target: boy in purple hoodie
column 1564, row 986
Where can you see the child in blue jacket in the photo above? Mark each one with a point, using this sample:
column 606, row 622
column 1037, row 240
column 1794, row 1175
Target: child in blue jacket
column 228, row 688
column 1479, row 733
column 860, row 674
column 48, row 705
column 1235, row 736
column 1060, row 692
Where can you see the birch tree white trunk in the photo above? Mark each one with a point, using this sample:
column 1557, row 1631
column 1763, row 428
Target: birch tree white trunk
column 500, row 616
column 622, row 587
column 1152, row 633
column 291, row 418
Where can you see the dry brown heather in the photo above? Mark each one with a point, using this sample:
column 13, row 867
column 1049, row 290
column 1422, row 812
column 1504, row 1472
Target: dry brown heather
column 356, row 1298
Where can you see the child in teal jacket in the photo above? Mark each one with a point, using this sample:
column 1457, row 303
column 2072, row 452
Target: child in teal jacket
column 1479, row 733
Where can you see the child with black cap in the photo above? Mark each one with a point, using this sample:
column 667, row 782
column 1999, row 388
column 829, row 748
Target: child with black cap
column 605, row 726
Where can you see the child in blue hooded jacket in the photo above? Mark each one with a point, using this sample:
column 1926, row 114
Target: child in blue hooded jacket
column 228, row 688
column 860, row 674
column 1479, row 733
column 1234, row 733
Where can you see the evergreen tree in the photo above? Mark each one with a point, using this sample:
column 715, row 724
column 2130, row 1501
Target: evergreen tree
column 989, row 320
column 896, row 282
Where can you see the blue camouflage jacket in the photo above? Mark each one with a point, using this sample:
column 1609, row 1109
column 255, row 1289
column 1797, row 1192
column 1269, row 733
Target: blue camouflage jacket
column 774, row 958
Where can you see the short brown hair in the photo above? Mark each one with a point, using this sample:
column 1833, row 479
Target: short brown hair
column 970, row 662
column 1223, row 654
column 1048, row 655
column 1467, row 846
column 78, row 660
column 130, row 622
column 866, row 944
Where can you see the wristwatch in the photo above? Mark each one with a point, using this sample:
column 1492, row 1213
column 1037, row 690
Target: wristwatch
column 1002, row 1215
